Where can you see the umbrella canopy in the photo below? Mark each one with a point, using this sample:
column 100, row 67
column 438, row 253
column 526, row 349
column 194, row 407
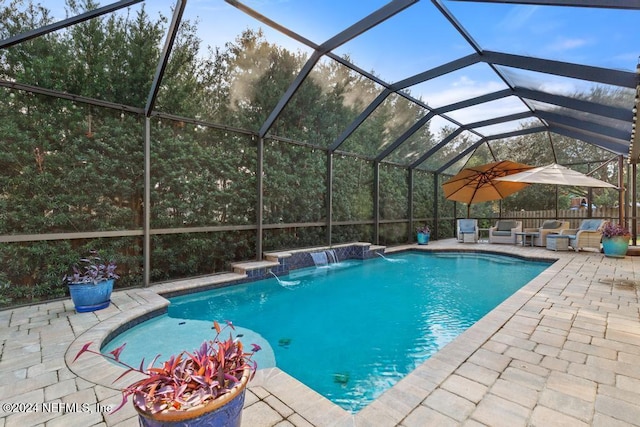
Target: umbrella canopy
column 555, row 174
column 478, row 184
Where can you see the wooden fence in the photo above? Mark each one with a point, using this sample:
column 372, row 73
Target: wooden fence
column 531, row 219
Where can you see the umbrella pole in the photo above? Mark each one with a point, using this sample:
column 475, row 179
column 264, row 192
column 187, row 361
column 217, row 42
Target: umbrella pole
column 468, row 209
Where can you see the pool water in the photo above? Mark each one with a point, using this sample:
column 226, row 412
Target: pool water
column 350, row 330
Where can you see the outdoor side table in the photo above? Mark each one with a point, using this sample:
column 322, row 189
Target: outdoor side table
column 558, row 242
column 481, row 234
column 526, row 234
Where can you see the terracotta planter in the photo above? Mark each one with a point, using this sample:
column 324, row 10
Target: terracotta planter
column 225, row 411
column 616, row 246
column 91, row 297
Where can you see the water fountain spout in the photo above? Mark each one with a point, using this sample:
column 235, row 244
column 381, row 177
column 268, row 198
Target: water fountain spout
column 284, row 283
column 319, row 258
column 389, row 259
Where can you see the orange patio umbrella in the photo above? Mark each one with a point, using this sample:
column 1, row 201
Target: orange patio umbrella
column 477, row 184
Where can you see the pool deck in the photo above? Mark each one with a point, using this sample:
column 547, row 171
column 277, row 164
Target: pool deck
column 563, row 351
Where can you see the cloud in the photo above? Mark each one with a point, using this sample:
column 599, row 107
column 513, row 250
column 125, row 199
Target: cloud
column 517, row 18
column 465, row 87
column 564, row 44
column 462, row 88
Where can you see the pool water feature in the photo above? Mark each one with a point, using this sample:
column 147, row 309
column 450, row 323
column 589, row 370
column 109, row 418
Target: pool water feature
column 349, row 331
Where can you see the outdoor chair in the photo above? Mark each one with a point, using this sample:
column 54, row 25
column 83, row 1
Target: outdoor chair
column 550, row 226
column 505, row 231
column 588, row 235
column 467, row 230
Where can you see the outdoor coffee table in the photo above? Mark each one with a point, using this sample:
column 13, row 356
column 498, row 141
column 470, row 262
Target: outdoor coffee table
column 558, row 242
column 526, row 234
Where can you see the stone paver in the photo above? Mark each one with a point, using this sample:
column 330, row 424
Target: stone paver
column 562, row 351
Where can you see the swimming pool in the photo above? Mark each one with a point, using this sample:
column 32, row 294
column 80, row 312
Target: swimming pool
column 349, row 331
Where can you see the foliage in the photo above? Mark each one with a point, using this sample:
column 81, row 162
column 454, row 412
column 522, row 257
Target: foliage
column 92, row 270
column 611, row 229
column 188, row 379
column 423, row 229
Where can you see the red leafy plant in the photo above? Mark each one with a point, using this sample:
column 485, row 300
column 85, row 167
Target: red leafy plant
column 188, row 379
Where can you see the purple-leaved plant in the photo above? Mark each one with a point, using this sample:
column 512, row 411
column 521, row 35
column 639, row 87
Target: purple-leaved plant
column 610, row 230
column 92, row 270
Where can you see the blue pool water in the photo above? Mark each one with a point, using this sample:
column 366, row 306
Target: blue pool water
column 349, row 331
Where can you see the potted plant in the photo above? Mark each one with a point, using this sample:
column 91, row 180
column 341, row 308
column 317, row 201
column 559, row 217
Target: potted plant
column 91, row 283
column 205, row 387
column 424, row 232
column 615, row 240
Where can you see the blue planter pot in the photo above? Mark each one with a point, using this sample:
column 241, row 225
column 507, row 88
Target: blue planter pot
column 423, row 238
column 91, row 297
column 615, row 247
column 226, row 411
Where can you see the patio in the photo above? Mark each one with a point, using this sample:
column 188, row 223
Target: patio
column 564, row 350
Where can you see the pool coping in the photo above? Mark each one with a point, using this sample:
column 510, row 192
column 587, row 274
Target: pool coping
column 390, row 408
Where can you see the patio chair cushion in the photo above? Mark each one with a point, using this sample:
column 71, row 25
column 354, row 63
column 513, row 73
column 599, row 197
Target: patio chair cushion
column 467, row 226
column 501, row 233
column 550, row 224
column 505, row 226
column 590, row 224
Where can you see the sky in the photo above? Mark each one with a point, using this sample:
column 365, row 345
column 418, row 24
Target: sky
column 420, row 38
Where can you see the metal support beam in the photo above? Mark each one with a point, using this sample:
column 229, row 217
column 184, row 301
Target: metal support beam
column 434, row 149
column 634, row 202
column 70, row 97
column 146, row 223
column 410, row 206
column 376, row 202
column 583, row 72
column 28, row 35
column 437, row 72
column 604, row 4
column 608, row 111
column 291, row 90
column 164, row 56
column 621, row 191
column 385, row 12
column 457, row 25
column 502, row 119
column 614, row 146
column 370, row 21
column 268, row 22
column 360, row 119
column 460, row 156
column 519, row 132
column 584, row 125
column 413, row 129
column 475, row 101
column 329, row 197
column 436, row 197
column 259, row 197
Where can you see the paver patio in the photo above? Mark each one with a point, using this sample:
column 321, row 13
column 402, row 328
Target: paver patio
column 563, row 351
